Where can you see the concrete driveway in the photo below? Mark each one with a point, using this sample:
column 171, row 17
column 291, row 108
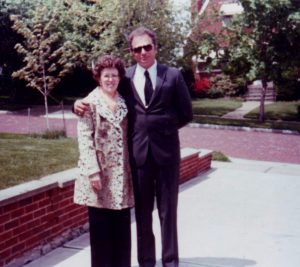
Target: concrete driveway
column 244, row 213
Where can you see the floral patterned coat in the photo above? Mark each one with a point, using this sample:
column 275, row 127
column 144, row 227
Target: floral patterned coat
column 102, row 141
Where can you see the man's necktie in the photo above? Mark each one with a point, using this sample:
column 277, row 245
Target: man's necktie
column 148, row 88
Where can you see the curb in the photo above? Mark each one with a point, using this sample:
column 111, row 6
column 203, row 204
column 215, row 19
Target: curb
column 237, row 128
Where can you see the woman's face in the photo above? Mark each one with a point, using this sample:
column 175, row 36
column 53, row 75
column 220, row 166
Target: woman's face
column 109, row 80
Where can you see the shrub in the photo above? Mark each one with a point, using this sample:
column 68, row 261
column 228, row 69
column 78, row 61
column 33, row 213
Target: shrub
column 51, row 134
column 219, row 85
column 201, row 86
column 219, row 156
column 225, row 86
column 215, row 92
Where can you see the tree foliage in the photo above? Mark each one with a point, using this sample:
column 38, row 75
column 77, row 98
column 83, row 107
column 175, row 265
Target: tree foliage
column 159, row 16
column 266, row 37
column 90, row 26
column 208, row 39
column 263, row 43
column 102, row 26
column 9, row 60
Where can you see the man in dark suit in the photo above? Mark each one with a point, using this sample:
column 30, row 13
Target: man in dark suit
column 158, row 105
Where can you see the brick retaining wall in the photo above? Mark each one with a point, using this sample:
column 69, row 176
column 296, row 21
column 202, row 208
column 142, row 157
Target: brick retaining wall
column 40, row 215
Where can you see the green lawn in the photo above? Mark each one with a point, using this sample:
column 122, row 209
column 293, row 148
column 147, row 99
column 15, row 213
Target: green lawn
column 285, row 111
column 24, row 158
column 279, row 115
column 216, row 107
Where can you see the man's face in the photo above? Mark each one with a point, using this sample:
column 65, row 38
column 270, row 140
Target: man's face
column 143, row 50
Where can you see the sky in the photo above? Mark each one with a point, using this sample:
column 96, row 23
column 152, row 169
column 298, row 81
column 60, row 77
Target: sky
column 184, row 13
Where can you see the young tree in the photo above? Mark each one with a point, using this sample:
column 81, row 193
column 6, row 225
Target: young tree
column 46, row 59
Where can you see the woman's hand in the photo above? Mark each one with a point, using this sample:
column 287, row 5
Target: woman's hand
column 95, row 181
column 80, row 107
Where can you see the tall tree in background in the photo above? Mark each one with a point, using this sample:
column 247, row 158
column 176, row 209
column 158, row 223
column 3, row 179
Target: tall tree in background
column 161, row 17
column 102, row 26
column 264, row 42
column 91, row 25
column 46, row 59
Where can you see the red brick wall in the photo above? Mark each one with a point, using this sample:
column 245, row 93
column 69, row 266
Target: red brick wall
column 192, row 165
column 42, row 218
column 36, row 221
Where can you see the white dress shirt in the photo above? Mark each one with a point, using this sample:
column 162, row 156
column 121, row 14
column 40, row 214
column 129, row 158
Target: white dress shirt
column 139, row 79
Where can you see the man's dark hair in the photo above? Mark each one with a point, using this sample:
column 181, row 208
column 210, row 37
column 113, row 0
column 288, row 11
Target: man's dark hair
column 141, row 31
column 107, row 61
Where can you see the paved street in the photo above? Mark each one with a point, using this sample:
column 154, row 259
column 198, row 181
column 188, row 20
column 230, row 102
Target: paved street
column 265, row 146
column 252, row 145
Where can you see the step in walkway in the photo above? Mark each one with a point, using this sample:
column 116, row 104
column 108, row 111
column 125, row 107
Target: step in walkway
column 255, row 90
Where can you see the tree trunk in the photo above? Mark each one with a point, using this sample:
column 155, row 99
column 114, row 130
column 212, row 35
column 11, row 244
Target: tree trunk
column 262, row 100
column 45, row 97
column 46, row 111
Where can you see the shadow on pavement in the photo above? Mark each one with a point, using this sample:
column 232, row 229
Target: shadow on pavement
column 201, row 177
column 212, row 262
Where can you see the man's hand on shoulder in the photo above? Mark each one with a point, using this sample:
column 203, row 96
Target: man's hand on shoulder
column 80, row 107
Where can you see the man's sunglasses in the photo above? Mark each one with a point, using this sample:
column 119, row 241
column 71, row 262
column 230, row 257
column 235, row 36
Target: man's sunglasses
column 147, row 48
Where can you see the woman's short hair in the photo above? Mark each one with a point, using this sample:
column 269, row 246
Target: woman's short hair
column 107, row 61
column 141, row 31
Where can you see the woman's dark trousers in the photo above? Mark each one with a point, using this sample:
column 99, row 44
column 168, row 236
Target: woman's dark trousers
column 110, row 237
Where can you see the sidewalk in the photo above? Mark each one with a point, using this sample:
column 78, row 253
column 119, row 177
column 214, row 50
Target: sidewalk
column 246, row 214
column 246, row 107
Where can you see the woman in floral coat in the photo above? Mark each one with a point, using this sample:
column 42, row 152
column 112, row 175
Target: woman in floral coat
column 104, row 183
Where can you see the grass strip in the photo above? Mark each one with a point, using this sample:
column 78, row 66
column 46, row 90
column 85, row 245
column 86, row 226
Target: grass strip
column 24, row 158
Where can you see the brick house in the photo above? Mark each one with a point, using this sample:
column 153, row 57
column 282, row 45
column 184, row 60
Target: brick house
column 208, row 9
column 225, row 10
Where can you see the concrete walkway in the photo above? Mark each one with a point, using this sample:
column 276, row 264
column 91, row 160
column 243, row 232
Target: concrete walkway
column 244, row 213
column 246, row 107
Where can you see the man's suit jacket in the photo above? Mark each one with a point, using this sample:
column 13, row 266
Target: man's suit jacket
column 156, row 127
